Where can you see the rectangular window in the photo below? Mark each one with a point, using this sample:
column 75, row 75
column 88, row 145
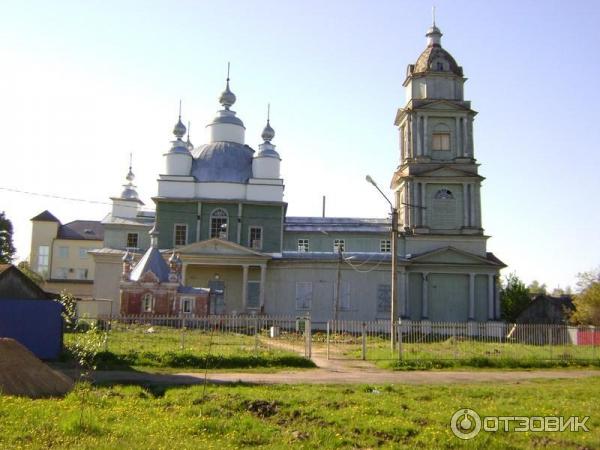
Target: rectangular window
column 180, row 237
column 339, row 245
column 304, row 293
column 255, row 238
column 186, row 305
column 385, row 246
column 132, row 240
column 253, row 300
column 147, row 303
column 383, row 298
column 303, row 245
column 43, row 259
column 63, row 252
column 81, row 274
column 61, row 273
column 440, row 141
column 344, row 299
column 83, row 252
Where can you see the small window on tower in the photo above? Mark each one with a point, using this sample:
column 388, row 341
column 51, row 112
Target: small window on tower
column 256, row 238
column 440, row 66
column 440, row 141
column 180, row 234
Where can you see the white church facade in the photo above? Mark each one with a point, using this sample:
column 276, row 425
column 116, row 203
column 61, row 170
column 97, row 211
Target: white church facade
column 220, row 207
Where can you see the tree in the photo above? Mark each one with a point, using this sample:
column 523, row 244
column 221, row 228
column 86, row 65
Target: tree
column 30, row 273
column 7, row 250
column 514, row 298
column 536, row 288
column 587, row 301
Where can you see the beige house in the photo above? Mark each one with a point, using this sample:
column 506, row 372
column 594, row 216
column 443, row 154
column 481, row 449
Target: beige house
column 59, row 253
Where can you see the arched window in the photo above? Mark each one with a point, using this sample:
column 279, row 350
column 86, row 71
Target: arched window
column 147, row 302
column 218, row 224
column 444, row 194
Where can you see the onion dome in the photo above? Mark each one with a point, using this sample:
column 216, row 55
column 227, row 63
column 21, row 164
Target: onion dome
column 179, row 129
column 129, row 192
column 227, row 98
column 268, row 133
column 434, row 58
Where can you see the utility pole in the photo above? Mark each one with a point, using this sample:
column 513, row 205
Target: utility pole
column 336, row 300
column 394, row 293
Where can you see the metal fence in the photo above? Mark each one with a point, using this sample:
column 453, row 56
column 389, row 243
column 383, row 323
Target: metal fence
column 426, row 340
column 219, row 335
column 341, row 339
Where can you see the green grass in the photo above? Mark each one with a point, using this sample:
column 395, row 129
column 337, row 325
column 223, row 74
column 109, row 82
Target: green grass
column 300, row 416
column 169, row 348
column 454, row 352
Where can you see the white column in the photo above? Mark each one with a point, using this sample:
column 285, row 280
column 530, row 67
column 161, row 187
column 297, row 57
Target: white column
column 423, row 198
column 425, row 300
column 239, row 225
column 464, row 137
column 472, row 204
column 497, row 299
column 244, row 287
column 409, row 132
column 183, row 271
column 471, row 296
column 491, row 297
column 263, row 280
column 458, row 147
column 402, row 294
column 418, row 135
column 465, row 205
column 198, row 221
column 405, row 199
column 425, row 146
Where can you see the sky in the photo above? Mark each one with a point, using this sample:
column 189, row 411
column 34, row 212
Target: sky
column 84, row 84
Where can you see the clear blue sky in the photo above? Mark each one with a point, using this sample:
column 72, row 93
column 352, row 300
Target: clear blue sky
column 85, row 83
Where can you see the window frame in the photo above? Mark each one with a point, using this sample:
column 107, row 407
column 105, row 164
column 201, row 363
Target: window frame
column 83, row 253
column 213, row 217
column 63, row 251
column 145, row 298
column 83, row 271
column 175, row 225
column 137, row 240
column 248, row 306
column 378, row 299
column 385, row 246
column 43, row 259
column 442, row 137
column 338, row 242
column 189, row 301
column 250, row 240
column 62, row 273
column 303, row 245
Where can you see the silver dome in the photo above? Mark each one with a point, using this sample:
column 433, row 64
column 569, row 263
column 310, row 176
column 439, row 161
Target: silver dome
column 222, row 162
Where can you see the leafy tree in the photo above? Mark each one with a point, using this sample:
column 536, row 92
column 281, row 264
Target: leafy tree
column 29, row 272
column 7, row 249
column 514, row 298
column 587, row 301
column 536, row 288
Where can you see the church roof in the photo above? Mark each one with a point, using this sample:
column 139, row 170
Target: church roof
column 152, row 261
column 82, row 230
column 45, row 216
column 432, row 54
column 222, row 162
column 337, row 224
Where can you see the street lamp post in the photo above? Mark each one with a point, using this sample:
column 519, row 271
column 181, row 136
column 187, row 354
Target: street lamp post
column 394, row 293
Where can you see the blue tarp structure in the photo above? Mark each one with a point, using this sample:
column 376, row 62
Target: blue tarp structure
column 37, row 324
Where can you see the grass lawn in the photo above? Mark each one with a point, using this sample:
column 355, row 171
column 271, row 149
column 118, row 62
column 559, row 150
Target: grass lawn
column 466, row 353
column 169, row 348
column 299, row 416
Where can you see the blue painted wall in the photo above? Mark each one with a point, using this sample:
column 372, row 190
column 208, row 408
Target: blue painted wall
column 37, row 324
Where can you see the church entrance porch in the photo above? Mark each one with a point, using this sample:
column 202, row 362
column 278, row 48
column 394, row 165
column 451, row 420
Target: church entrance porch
column 236, row 289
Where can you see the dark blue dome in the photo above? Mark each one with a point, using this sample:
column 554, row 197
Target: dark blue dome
column 222, row 162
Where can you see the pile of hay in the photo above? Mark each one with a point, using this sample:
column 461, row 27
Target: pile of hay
column 21, row 373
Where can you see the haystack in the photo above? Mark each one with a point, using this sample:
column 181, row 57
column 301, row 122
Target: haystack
column 21, row 373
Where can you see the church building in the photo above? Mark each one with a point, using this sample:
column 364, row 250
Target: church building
column 221, row 217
